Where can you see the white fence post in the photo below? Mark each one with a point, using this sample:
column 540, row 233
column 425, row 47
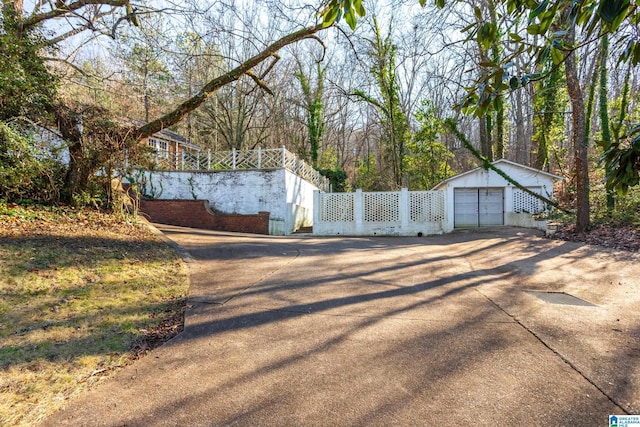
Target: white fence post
column 198, row 161
column 259, row 158
column 284, row 157
column 208, row 160
column 358, row 209
column 182, row 160
column 448, row 207
column 317, row 208
column 403, row 205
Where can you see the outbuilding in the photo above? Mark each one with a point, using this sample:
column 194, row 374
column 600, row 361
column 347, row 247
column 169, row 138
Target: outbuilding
column 481, row 198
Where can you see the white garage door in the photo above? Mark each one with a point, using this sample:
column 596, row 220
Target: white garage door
column 478, row 207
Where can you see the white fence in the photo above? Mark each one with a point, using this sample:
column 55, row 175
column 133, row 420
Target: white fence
column 274, row 158
column 402, row 213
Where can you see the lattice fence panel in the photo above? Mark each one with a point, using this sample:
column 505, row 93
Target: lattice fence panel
column 271, row 158
column 291, row 162
column 241, row 159
column 336, row 207
column 426, row 206
column 247, row 159
column 526, row 203
column 222, row 160
column 381, row 207
column 189, row 161
column 305, row 171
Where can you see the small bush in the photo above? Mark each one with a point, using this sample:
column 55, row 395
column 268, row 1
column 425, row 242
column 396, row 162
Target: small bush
column 26, row 171
column 625, row 211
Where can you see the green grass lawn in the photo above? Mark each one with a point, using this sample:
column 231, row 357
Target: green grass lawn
column 81, row 295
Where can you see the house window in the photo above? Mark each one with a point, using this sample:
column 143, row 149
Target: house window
column 162, row 147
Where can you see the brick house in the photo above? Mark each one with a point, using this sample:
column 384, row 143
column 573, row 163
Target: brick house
column 170, row 146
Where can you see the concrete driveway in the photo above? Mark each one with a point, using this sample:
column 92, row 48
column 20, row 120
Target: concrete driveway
column 439, row 330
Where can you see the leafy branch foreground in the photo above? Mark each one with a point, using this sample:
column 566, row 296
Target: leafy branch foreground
column 82, row 294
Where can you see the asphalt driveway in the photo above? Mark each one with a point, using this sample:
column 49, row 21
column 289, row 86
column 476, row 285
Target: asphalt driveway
column 438, row 330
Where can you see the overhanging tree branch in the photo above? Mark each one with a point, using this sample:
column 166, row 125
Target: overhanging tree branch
column 259, row 82
column 276, row 58
column 194, row 102
column 67, row 9
column 369, row 99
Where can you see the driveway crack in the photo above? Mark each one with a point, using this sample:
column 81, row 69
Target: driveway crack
column 557, row 353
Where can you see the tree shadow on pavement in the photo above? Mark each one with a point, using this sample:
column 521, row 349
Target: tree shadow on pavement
column 370, row 331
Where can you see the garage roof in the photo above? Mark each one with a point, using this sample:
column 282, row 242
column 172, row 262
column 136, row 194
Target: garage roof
column 497, row 163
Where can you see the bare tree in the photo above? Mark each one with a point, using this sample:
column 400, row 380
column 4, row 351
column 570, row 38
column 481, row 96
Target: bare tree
column 104, row 18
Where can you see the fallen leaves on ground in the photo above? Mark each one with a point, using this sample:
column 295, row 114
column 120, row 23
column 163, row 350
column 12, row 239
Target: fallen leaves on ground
column 623, row 236
column 21, row 222
column 84, row 294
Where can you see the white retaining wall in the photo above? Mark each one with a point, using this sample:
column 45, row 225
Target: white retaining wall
column 401, row 213
column 299, row 202
column 286, row 196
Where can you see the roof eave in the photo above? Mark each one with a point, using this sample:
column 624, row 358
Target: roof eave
column 537, row 171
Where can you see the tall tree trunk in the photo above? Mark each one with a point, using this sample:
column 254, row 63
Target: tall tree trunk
column 542, row 151
column 521, row 152
column 546, row 104
column 145, row 89
column 497, row 136
column 484, row 124
column 81, row 166
column 79, row 172
column 604, row 111
column 579, row 135
column 485, row 139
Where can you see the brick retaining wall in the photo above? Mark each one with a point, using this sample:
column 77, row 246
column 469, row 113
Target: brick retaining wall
column 197, row 214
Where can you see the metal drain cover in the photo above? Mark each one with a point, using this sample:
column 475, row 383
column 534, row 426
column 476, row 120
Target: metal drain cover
column 560, row 298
